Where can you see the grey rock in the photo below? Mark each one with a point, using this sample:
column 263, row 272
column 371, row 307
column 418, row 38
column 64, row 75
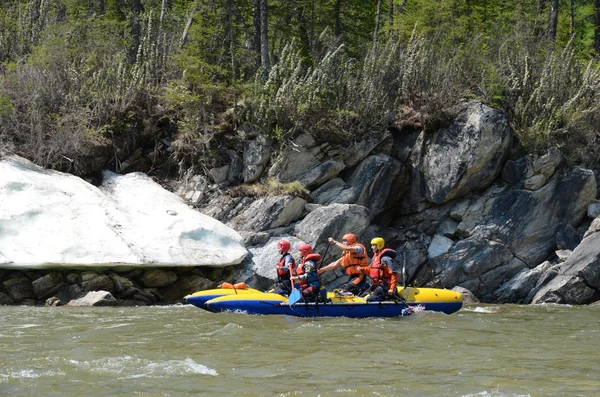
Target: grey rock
column 447, row 228
column 528, row 221
column 18, row 289
column 219, row 175
column 468, row 297
column 593, row 209
column 269, row 212
column 5, row 299
column 466, row 156
column 439, row 246
column 321, row 173
column 568, row 238
column 578, row 278
column 91, row 281
column 158, row 278
column 333, row 220
column 48, row 285
column 95, row 298
column 515, row 171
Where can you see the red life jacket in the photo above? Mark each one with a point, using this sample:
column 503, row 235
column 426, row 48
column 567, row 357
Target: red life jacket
column 282, row 270
column 376, row 270
column 311, row 279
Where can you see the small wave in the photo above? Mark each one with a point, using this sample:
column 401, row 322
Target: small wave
column 495, row 393
column 25, row 326
column 30, row 374
column 228, row 328
column 144, row 368
column 479, row 310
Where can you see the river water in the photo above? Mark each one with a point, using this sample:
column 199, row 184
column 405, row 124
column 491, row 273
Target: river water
column 499, row 350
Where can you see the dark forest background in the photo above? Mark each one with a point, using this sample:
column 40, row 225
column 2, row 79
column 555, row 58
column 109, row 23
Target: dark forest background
column 91, row 84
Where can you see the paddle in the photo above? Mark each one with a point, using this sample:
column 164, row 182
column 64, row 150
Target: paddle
column 296, row 295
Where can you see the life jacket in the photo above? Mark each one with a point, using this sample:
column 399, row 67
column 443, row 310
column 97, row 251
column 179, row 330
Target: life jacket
column 313, row 277
column 282, row 269
column 241, row 285
column 352, row 261
column 376, row 271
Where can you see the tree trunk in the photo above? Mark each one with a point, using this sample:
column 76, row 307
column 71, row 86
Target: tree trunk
column 377, row 19
column 391, row 12
column 338, row 22
column 264, row 38
column 572, row 17
column 552, row 24
column 230, row 39
column 597, row 27
column 136, row 9
column 402, row 7
column 303, row 33
column 101, row 7
column 256, row 22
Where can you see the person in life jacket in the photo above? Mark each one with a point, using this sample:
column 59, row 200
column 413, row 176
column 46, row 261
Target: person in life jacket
column 354, row 257
column 383, row 272
column 285, row 269
column 306, row 273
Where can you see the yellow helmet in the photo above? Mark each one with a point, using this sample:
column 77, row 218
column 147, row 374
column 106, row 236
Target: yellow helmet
column 379, row 242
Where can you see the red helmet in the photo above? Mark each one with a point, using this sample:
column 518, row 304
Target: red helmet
column 350, row 238
column 283, row 246
column 305, row 249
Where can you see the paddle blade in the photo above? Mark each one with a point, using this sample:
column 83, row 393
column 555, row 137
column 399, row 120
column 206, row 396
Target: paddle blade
column 295, row 296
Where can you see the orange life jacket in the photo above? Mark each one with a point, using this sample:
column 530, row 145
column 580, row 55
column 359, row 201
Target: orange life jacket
column 241, row 285
column 282, row 269
column 351, row 261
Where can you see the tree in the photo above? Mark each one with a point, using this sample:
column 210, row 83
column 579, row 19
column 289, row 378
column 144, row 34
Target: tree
column 377, row 20
column 597, row 27
column 552, row 25
column 264, row 37
column 136, row 10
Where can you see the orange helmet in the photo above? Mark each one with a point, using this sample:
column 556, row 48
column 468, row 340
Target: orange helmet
column 305, row 249
column 350, row 238
column 283, row 246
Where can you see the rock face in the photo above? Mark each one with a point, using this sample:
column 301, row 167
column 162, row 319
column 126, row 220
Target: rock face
column 462, row 210
column 49, row 218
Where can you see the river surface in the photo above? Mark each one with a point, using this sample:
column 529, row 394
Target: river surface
column 496, row 351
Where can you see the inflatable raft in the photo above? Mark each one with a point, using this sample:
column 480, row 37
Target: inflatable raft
column 269, row 303
column 252, row 301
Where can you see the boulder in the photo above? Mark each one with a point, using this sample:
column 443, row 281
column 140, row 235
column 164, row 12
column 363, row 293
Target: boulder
column 333, row 220
column 578, row 278
column 19, row 288
column 48, row 285
column 95, row 298
column 158, row 278
column 528, row 221
column 269, row 212
column 466, row 156
column 256, row 157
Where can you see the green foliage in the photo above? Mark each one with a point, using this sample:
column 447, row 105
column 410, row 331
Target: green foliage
column 70, row 85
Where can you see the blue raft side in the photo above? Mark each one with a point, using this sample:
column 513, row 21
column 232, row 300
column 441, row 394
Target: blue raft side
column 200, row 300
column 352, row 310
column 444, row 307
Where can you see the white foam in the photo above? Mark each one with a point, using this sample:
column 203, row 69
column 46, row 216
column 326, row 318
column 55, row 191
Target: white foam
column 144, row 368
column 479, row 310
